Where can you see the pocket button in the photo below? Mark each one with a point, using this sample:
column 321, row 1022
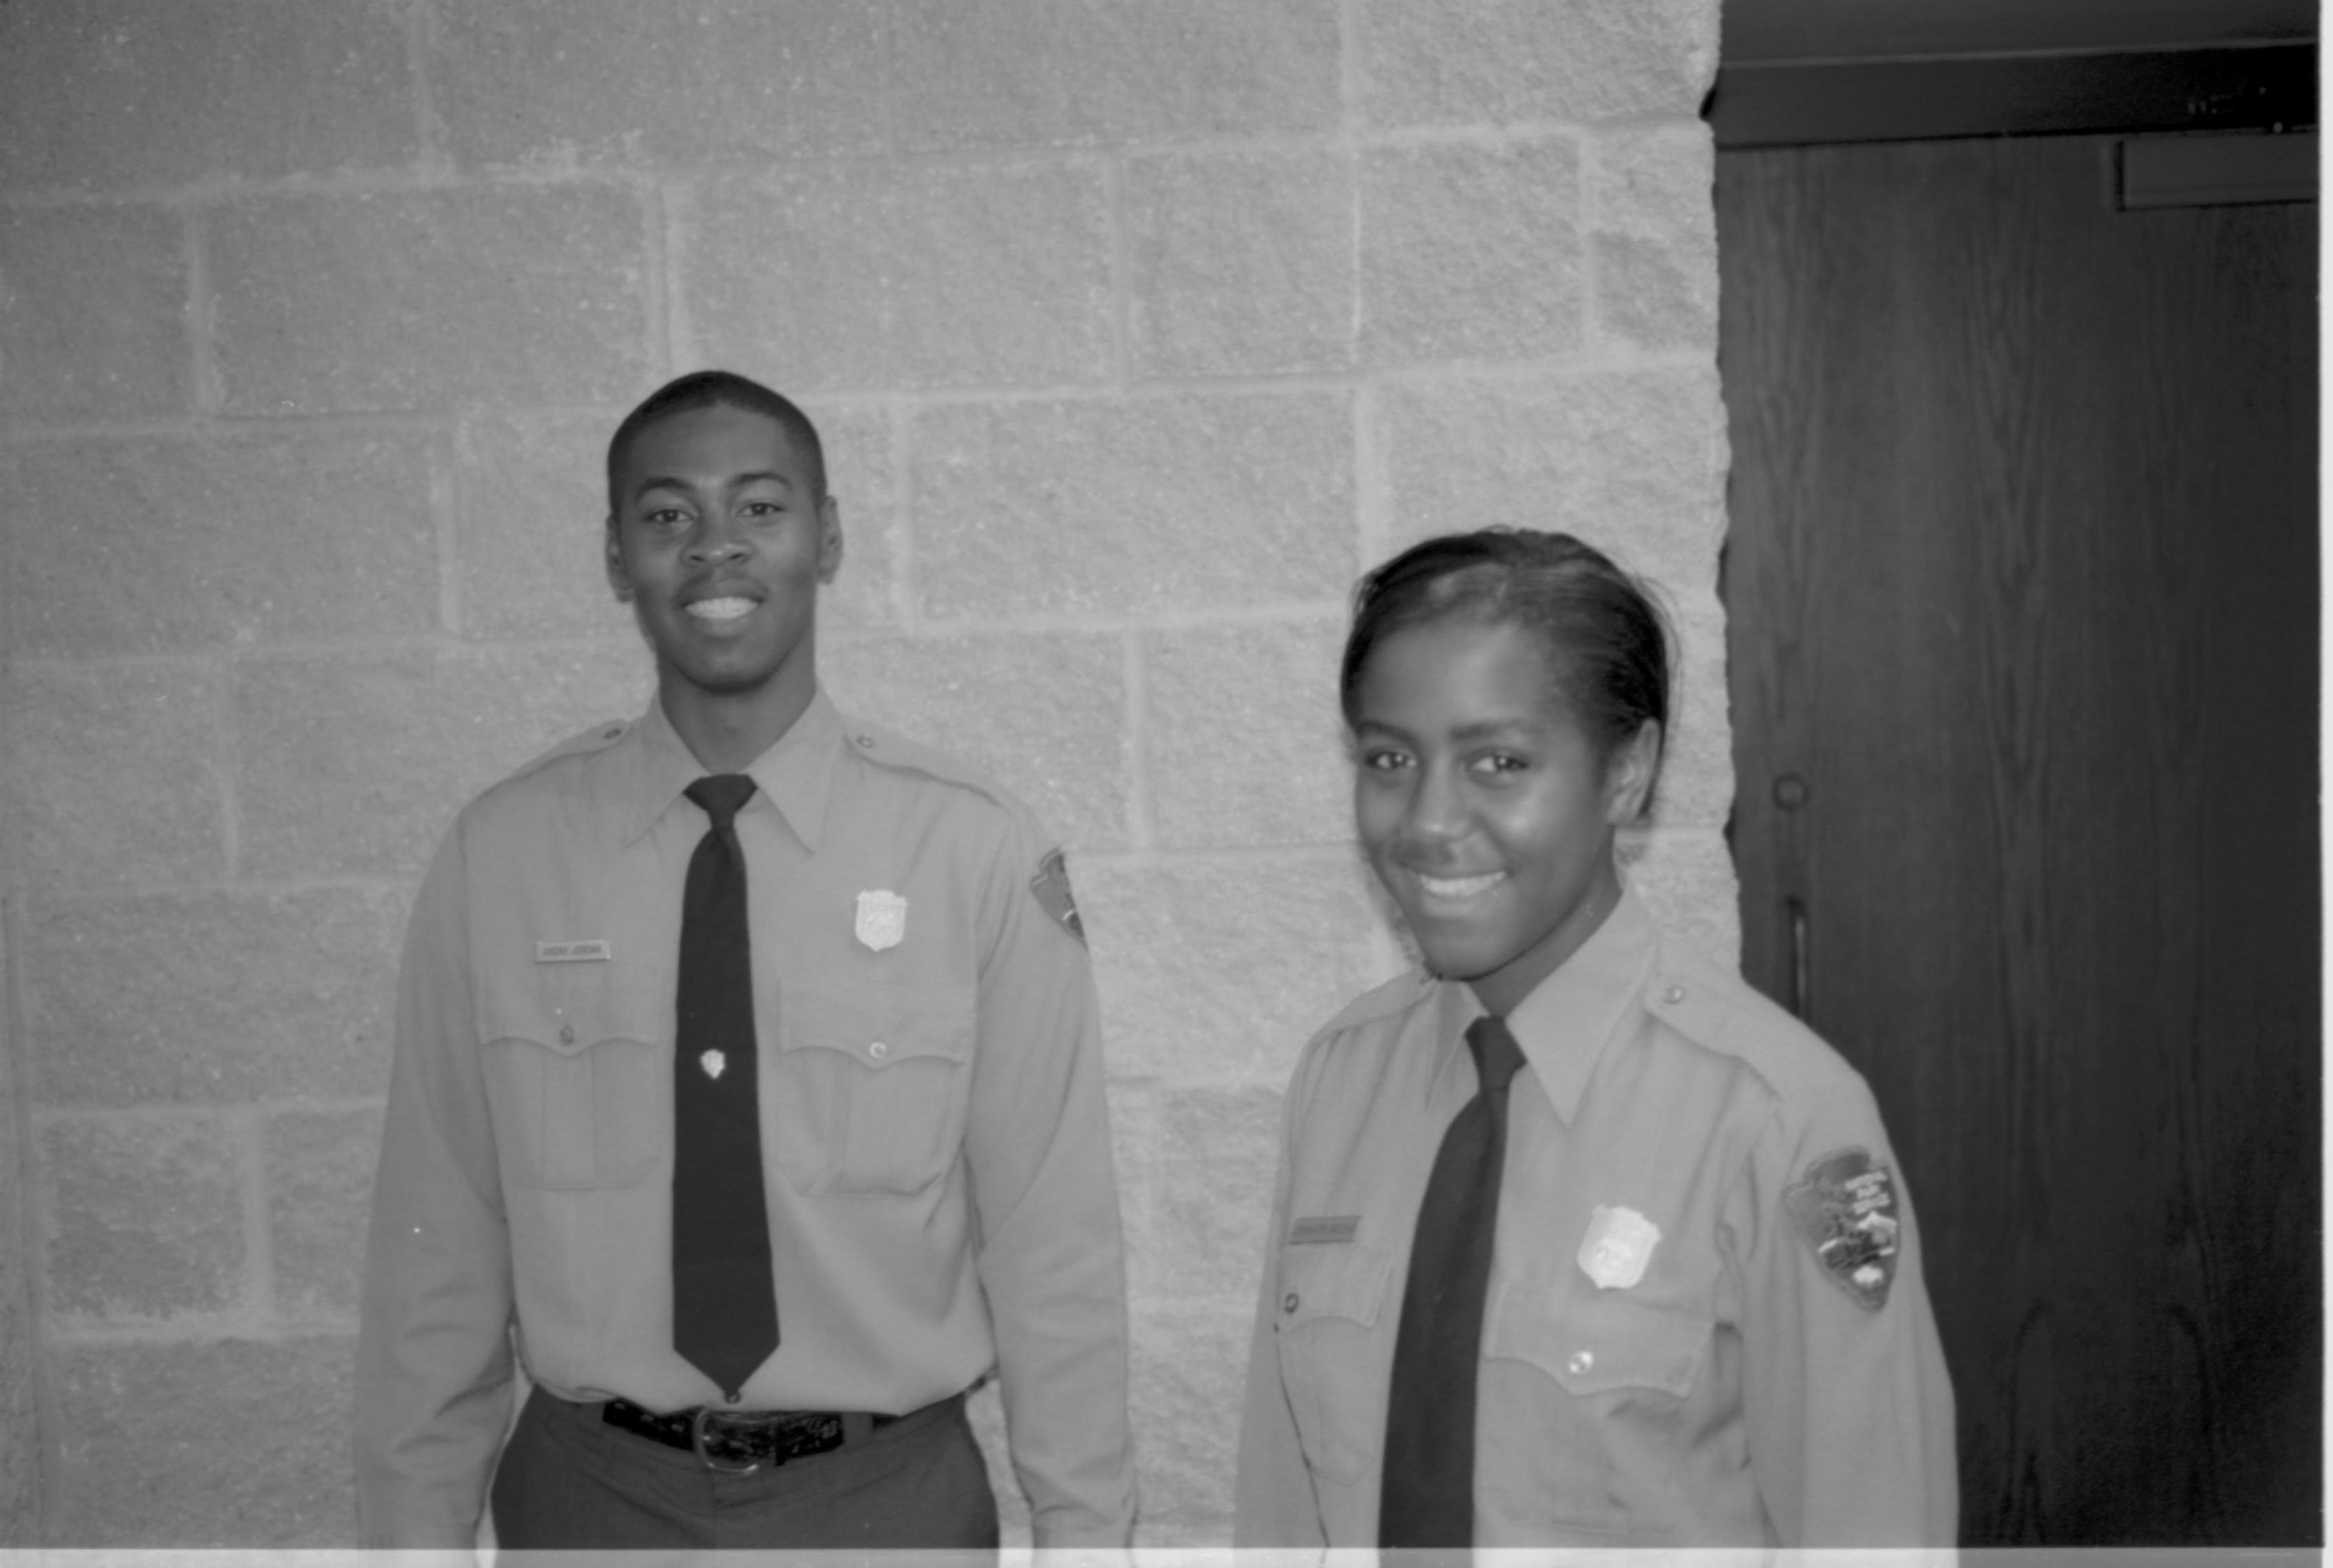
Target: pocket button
column 567, row 1033
column 1290, row 1304
column 1581, row 1362
column 878, row 1050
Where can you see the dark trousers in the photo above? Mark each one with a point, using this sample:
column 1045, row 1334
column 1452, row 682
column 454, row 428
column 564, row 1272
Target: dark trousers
column 569, row 1482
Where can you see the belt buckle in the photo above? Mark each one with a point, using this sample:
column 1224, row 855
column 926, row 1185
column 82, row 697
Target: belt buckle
column 706, row 1415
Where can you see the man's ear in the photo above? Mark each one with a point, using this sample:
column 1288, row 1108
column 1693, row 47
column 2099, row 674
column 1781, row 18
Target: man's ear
column 617, row 577
column 830, row 539
column 1629, row 772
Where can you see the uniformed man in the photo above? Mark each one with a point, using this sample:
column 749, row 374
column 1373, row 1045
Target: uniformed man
column 747, row 1092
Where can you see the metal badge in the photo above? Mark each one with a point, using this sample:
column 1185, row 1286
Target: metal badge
column 595, row 951
column 882, row 919
column 1845, row 1206
column 1618, row 1246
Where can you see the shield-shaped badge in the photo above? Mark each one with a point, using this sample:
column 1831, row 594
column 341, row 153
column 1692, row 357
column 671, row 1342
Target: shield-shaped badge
column 882, row 919
column 1619, row 1245
column 1844, row 1207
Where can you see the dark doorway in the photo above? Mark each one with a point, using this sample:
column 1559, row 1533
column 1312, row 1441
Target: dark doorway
column 2022, row 587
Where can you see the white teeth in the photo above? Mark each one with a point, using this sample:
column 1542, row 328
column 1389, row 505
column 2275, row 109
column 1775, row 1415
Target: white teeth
column 1458, row 886
column 721, row 609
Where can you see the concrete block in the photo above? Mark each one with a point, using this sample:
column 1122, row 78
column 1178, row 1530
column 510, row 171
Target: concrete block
column 113, row 773
column 211, row 997
column 319, row 1176
column 1045, row 714
column 618, row 84
column 356, row 762
column 1137, row 1149
column 1466, row 61
column 1632, row 461
column 1240, row 264
column 1004, row 73
column 532, row 510
column 231, row 1443
column 126, row 95
column 1222, row 969
column 1242, row 736
column 900, row 275
column 1654, row 236
column 1471, row 251
column 530, row 521
column 1697, row 784
column 144, row 1219
column 1687, row 880
column 1220, row 1160
column 217, row 540
column 423, row 299
column 94, row 310
column 1132, row 507
column 1190, row 1378
column 20, row 1351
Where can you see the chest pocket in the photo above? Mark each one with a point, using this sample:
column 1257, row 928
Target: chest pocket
column 1331, row 1297
column 1595, row 1343
column 872, row 1087
column 575, row 1075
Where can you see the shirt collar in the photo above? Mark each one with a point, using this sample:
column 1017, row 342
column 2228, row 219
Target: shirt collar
column 1564, row 1025
column 792, row 778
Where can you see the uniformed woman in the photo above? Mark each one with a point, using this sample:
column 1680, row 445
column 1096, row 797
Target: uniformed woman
column 1577, row 1240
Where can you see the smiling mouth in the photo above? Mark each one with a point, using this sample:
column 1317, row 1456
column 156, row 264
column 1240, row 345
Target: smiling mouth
column 720, row 609
column 1454, row 888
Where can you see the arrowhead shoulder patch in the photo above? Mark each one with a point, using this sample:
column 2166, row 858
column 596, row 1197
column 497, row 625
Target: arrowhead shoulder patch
column 1052, row 886
column 1844, row 1207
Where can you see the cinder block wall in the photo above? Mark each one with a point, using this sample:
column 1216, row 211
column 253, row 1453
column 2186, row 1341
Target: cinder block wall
column 1138, row 327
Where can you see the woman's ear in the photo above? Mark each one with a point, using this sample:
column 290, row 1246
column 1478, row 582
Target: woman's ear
column 1629, row 772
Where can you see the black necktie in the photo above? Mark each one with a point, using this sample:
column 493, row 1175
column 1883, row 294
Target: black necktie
column 1427, row 1498
column 725, row 1303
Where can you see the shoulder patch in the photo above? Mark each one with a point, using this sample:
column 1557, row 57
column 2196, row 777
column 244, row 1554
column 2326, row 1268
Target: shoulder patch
column 1052, row 886
column 1845, row 1208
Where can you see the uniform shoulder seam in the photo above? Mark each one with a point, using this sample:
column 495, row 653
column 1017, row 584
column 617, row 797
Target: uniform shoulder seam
column 887, row 748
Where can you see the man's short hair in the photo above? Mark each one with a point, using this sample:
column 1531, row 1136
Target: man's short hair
column 719, row 389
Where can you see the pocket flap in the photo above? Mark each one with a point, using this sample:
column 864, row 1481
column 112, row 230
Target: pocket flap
column 1344, row 1280
column 565, row 1015
column 1596, row 1342
column 880, row 1028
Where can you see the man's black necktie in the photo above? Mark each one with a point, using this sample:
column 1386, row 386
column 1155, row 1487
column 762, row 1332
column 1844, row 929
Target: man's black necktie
column 725, row 1303
column 1427, row 1496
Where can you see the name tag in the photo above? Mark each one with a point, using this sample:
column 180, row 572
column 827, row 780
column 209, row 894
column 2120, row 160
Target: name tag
column 593, row 952
column 1317, row 1229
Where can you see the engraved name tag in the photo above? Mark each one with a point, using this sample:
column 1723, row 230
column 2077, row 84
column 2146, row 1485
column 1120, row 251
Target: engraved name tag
column 593, row 952
column 1324, row 1227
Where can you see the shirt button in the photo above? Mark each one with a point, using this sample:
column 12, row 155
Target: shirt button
column 567, row 1033
column 1582, row 1361
column 1288, row 1302
column 1675, row 994
column 878, row 1050
column 865, row 741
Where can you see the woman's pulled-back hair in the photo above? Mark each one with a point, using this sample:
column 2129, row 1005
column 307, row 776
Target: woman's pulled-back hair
column 1607, row 637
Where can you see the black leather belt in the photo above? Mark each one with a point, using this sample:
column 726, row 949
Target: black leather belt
column 742, row 1441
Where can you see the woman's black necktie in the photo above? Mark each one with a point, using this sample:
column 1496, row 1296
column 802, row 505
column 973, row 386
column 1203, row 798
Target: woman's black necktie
column 725, row 1303
column 1427, row 1496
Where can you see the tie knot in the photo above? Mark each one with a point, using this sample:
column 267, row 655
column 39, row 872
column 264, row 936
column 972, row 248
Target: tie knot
column 721, row 795
column 1496, row 1054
